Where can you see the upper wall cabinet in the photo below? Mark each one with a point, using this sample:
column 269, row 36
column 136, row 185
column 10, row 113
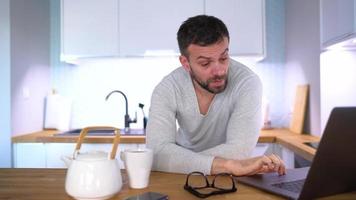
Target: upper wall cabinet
column 338, row 21
column 149, row 27
column 89, row 27
column 92, row 28
column 246, row 23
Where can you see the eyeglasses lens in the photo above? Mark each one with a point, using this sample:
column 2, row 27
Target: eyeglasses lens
column 223, row 182
column 197, row 181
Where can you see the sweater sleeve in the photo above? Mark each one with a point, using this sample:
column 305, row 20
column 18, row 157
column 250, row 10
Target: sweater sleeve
column 244, row 123
column 160, row 136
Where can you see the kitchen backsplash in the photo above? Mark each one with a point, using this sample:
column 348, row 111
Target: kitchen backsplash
column 88, row 83
column 337, row 81
column 91, row 80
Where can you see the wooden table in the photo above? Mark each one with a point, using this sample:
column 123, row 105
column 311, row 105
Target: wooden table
column 47, row 184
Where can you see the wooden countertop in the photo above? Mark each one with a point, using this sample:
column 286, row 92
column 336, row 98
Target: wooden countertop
column 293, row 141
column 47, row 136
column 284, row 137
column 45, row 184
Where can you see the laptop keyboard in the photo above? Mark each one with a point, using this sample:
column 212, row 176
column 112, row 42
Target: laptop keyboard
column 293, row 186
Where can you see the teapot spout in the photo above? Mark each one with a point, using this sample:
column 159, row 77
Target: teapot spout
column 67, row 160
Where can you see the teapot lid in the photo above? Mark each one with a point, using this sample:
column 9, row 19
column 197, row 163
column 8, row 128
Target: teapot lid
column 92, row 156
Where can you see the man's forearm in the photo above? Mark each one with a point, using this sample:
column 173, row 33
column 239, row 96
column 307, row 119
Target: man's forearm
column 221, row 165
column 231, row 166
column 218, row 166
column 260, row 164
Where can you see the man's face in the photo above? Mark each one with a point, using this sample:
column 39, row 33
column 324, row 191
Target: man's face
column 208, row 65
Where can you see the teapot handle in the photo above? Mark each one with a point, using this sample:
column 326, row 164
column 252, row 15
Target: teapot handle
column 85, row 130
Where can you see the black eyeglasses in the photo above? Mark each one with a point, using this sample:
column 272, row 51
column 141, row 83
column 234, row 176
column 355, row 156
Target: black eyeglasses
column 198, row 184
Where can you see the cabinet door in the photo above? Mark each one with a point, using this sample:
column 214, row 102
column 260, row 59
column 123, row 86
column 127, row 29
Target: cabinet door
column 89, row 27
column 337, row 20
column 29, row 155
column 54, row 152
column 246, row 23
column 151, row 25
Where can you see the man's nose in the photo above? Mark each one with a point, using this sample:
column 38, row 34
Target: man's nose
column 218, row 69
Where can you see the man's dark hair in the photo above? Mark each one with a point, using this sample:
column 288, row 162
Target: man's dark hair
column 202, row 30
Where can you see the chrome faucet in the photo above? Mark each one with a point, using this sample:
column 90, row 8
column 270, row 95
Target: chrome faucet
column 128, row 120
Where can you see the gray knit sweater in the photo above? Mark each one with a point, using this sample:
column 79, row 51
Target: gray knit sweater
column 184, row 140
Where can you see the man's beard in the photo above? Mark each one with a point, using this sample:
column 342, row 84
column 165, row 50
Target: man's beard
column 205, row 85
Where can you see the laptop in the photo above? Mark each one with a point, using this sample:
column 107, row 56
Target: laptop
column 332, row 171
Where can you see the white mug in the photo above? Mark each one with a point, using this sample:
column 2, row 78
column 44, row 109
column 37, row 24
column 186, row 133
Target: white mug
column 138, row 165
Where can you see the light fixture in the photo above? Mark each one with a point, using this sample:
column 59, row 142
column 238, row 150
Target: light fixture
column 346, row 44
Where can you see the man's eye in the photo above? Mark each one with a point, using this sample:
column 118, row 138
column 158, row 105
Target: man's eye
column 223, row 59
column 205, row 64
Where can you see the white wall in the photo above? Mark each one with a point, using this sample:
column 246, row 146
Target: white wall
column 271, row 69
column 5, row 124
column 302, row 57
column 30, row 67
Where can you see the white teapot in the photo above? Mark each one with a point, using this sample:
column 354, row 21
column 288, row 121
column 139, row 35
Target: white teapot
column 96, row 174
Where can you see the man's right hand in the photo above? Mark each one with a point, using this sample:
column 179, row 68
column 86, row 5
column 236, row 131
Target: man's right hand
column 260, row 164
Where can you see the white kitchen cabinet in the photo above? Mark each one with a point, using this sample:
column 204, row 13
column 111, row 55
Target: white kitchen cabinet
column 95, row 28
column 89, row 28
column 29, row 155
column 287, row 155
column 338, row 21
column 260, row 149
column 246, row 23
column 48, row 155
column 54, row 152
column 150, row 26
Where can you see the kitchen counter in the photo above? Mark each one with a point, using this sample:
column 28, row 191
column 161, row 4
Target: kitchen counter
column 38, row 184
column 283, row 137
column 48, row 136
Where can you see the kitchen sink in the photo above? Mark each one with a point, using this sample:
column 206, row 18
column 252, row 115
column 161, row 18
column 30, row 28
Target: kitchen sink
column 76, row 132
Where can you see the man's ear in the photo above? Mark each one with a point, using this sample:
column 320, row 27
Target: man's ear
column 185, row 63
